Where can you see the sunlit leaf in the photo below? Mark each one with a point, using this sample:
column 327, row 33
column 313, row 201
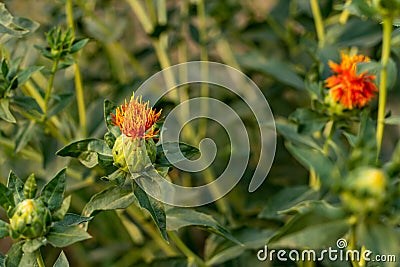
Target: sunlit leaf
column 154, row 207
column 5, row 112
column 30, row 187
column 16, row 186
column 61, row 261
column 62, row 236
column 114, row 197
column 53, row 192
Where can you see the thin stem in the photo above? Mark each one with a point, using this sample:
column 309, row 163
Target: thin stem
column 319, row 24
column 78, row 78
column 345, row 13
column 185, row 250
column 39, row 259
column 49, row 88
column 387, row 32
column 204, row 89
column 331, row 130
column 353, row 244
column 141, row 14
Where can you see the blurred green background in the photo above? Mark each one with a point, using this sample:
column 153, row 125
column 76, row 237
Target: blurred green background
column 273, row 42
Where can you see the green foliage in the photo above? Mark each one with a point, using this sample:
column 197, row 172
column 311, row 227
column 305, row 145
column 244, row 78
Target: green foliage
column 37, row 221
column 332, row 178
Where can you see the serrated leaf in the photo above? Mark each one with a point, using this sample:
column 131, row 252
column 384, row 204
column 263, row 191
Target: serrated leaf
column 62, row 236
column 6, row 197
column 30, row 187
column 154, row 207
column 5, row 112
column 3, row 229
column 16, row 186
column 78, row 45
column 53, row 192
column 114, row 197
column 182, row 217
column 60, row 213
column 31, row 245
column 24, row 135
column 2, row 259
column 61, row 261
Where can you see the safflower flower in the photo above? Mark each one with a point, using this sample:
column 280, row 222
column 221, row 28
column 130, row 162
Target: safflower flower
column 348, row 88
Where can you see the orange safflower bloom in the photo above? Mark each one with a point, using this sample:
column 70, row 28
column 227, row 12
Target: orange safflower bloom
column 136, row 119
column 348, row 88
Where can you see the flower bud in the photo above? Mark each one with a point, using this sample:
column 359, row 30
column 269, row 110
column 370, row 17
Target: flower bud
column 31, row 219
column 131, row 154
column 365, row 190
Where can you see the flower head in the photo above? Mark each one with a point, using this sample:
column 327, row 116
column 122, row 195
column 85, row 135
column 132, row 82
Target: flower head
column 349, row 88
column 136, row 119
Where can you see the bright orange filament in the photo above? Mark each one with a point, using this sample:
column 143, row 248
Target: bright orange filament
column 136, row 119
column 348, row 88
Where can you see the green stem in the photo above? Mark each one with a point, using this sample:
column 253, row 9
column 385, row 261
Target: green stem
column 49, row 87
column 78, row 78
column 353, row 244
column 331, row 130
column 39, row 259
column 185, row 250
column 387, row 32
column 204, row 89
column 319, row 24
column 345, row 13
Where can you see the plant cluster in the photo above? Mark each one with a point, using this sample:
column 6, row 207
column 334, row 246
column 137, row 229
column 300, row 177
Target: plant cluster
column 326, row 67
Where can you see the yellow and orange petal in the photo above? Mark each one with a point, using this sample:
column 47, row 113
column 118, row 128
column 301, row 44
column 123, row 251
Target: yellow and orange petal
column 137, row 119
column 350, row 89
